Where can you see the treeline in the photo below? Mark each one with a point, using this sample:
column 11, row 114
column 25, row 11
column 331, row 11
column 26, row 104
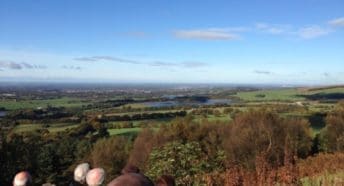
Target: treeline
column 39, row 114
column 109, row 104
column 143, row 116
column 44, row 116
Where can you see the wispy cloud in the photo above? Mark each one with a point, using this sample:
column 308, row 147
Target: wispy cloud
column 326, row 74
column 71, row 67
column 162, row 64
column 193, row 64
column 208, row 34
column 338, row 22
column 234, row 33
column 18, row 66
column 264, row 72
column 26, row 65
column 306, row 32
column 88, row 59
column 313, row 31
column 32, row 66
column 273, row 28
column 186, row 64
column 106, row 58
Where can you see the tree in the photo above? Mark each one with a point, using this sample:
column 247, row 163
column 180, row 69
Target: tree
column 47, row 164
column 142, row 147
column 260, row 131
column 110, row 154
column 332, row 137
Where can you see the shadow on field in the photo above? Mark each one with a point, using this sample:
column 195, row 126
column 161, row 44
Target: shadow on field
column 317, row 120
column 324, row 96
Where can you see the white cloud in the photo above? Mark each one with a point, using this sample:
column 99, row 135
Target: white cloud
column 18, row 66
column 265, row 72
column 233, row 33
column 313, row 31
column 136, row 62
column 207, row 34
column 10, row 65
column 304, row 32
column 162, row 64
column 71, row 67
column 106, row 58
column 338, row 22
column 272, row 28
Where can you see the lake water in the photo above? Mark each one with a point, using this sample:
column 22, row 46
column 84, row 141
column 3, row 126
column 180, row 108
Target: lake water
column 180, row 103
column 2, row 113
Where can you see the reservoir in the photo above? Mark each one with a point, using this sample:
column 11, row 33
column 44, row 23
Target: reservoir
column 2, row 114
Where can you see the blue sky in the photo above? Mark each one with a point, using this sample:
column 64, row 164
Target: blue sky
column 194, row 41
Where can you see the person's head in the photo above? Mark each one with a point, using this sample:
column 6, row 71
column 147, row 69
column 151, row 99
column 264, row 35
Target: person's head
column 165, row 180
column 80, row 172
column 130, row 169
column 22, row 178
column 132, row 179
column 95, row 177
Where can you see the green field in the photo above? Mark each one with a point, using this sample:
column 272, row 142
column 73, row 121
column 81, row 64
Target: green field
column 57, row 127
column 289, row 94
column 123, row 131
column 213, row 118
column 59, row 102
column 326, row 90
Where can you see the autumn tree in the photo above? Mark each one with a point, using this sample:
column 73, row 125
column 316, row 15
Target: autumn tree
column 332, row 137
column 110, row 154
column 259, row 131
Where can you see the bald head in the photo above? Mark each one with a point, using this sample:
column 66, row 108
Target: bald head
column 132, row 179
column 80, row 172
column 22, row 179
column 95, row 177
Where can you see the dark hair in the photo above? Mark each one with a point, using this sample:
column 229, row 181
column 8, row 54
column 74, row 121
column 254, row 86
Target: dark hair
column 165, row 180
column 130, row 169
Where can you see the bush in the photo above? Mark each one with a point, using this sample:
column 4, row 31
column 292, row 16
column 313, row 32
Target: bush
column 181, row 161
